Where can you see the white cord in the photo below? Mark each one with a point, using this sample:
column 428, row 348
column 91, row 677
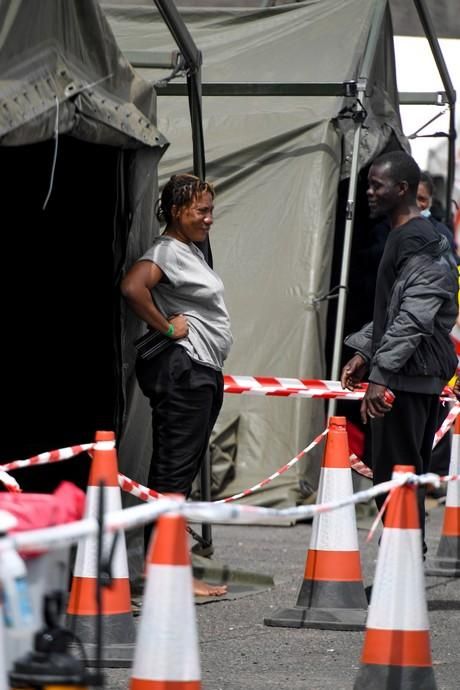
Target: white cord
column 56, row 140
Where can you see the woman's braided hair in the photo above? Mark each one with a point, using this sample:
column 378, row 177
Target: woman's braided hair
column 179, row 191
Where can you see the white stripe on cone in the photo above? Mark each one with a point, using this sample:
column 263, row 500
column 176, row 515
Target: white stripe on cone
column 167, row 641
column 398, row 595
column 86, row 560
column 335, row 530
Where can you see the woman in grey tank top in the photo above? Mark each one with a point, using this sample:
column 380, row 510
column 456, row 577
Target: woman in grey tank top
column 177, row 294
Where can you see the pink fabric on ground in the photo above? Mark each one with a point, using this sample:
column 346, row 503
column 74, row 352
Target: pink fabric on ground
column 34, row 511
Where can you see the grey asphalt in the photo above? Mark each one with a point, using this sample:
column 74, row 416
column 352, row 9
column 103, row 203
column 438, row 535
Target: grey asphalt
column 238, row 652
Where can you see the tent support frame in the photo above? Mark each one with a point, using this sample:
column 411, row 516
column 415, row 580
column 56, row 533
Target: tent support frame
column 438, row 57
column 365, row 70
column 193, row 61
column 346, row 250
column 195, row 89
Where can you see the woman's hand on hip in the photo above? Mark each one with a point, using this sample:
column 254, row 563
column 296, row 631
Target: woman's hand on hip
column 180, row 324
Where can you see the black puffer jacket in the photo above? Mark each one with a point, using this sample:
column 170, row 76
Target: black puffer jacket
column 416, row 353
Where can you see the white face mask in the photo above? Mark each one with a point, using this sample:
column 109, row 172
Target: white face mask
column 426, row 213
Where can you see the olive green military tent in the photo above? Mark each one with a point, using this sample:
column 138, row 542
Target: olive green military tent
column 84, row 87
column 79, row 151
column 280, row 154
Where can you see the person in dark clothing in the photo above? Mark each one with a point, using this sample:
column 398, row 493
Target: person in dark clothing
column 407, row 347
column 425, row 191
column 175, row 292
column 440, row 458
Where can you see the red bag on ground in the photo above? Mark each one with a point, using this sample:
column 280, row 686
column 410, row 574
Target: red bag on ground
column 34, row 511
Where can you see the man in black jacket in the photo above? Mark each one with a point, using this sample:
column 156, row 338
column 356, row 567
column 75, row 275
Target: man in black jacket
column 407, row 347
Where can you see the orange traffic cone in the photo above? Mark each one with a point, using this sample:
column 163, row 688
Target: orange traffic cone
column 447, row 559
column 167, row 654
column 117, row 621
column 397, row 652
column 332, row 593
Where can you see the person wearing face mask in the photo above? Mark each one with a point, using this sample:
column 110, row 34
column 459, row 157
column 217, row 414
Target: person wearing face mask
column 440, row 457
column 425, row 201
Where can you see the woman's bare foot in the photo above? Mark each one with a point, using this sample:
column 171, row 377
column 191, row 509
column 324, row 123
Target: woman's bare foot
column 203, row 589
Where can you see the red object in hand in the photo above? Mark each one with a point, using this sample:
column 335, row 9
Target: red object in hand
column 389, row 396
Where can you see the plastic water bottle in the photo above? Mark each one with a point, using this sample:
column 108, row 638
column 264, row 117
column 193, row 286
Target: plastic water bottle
column 18, row 614
column 17, row 606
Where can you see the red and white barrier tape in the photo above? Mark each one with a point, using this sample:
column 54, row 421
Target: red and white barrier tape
column 285, row 387
column 447, row 424
column 10, row 482
column 278, row 473
column 136, row 489
column 361, row 468
column 44, row 458
column 57, row 536
column 304, row 388
column 146, row 494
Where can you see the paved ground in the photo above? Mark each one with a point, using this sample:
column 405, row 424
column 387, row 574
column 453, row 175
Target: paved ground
column 239, row 652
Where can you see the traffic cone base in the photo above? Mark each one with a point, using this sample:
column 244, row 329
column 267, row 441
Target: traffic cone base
column 332, row 595
column 119, row 635
column 447, row 560
column 340, row 595
column 373, row 677
column 321, row 619
column 397, row 651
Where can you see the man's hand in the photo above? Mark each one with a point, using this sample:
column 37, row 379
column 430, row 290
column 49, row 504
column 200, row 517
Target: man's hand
column 456, row 388
column 353, row 372
column 373, row 404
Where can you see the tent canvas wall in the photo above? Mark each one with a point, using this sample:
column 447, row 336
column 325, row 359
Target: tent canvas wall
column 79, row 152
column 277, row 162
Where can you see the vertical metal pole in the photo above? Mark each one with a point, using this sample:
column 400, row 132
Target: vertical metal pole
column 348, row 235
column 365, row 68
column 205, row 491
column 430, row 33
column 450, row 163
column 193, row 59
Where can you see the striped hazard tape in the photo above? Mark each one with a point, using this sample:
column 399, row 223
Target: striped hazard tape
column 146, row 494
column 287, row 387
column 361, row 468
column 304, row 388
column 45, row 458
column 265, row 386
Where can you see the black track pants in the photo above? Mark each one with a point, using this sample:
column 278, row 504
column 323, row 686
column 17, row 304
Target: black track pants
column 404, row 436
column 185, row 398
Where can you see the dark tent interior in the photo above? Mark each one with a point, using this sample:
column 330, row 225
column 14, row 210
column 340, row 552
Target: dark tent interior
column 58, row 297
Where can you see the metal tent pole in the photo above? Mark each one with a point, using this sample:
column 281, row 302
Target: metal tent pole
column 346, row 251
column 365, row 69
column 193, row 61
column 430, row 34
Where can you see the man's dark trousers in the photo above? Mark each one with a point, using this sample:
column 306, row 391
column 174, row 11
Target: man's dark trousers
column 404, row 436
